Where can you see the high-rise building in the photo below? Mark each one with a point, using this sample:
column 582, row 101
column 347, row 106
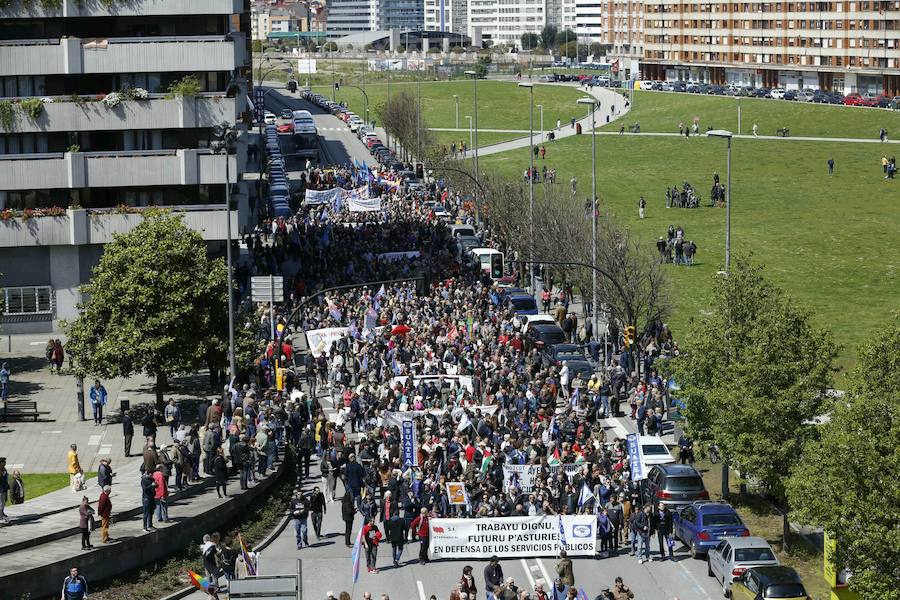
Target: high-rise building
column 348, row 17
column 447, row 15
column 582, row 17
column 845, row 45
column 107, row 108
column 622, row 34
column 504, row 21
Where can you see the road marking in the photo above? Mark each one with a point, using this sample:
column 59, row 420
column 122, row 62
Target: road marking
column 36, row 343
column 50, row 432
column 547, row 579
column 15, row 466
column 421, row 590
column 696, row 581
column 105, row 449
column 94, row 440
column 528, row 575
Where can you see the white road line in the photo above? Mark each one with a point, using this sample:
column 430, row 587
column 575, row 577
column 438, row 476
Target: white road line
column 528, row 574
column 105, row 450
column 94, row 440
column 36, row 343
column 15, row 466
column 421, row 590
column 696, row 582
column 50, row 432
column 547, row 579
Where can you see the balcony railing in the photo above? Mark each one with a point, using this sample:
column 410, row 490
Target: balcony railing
column 75, row 8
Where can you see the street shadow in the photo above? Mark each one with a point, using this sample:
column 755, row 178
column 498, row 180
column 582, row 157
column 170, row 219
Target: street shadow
column 321, row 544
column 20, row 366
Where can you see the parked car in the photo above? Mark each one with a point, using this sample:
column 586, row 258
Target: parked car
column 790, row 95
column 716, row 90
column 553, row 356
column 804, row 96
column 769, row 583
column 287, row 114
column 734, row 555
column 540, row 334
column 693, row 88
column 679, row 86
column 761, row 92
column 676, row 486
column 655, row 451
column 269, row 118
column 853, row 100
column 703, row 524
column 777, row 94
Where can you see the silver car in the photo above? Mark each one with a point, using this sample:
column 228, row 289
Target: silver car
column 734, row 555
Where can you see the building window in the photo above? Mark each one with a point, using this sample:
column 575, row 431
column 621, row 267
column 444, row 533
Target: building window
column 37, row 300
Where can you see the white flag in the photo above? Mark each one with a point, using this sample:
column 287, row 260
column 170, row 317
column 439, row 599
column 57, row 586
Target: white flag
column 464, row 422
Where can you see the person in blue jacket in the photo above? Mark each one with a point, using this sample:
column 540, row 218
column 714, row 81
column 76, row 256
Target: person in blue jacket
column 98, row 401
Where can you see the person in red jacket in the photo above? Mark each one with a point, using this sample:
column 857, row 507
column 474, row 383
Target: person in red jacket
column 104, row 510
column 420, row 526
column 371, row 537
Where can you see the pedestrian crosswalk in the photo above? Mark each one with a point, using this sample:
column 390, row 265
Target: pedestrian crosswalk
column 333, row 128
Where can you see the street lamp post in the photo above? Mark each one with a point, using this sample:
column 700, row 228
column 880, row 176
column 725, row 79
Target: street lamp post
column 722, row 133
column 226, row 134
column 332, row 73
column 474, row 75
column 541, row 108
column 530, row 87
column 456, row 100
column 594, row 312
column 469, row 119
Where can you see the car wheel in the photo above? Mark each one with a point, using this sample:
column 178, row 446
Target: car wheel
column 694, row 553
column 709, row 572
column 725, row 590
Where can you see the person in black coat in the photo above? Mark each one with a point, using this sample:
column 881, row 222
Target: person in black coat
column 104, row 473
column 662, row 522
column 128, row 432
column 395, row 530
column 149, row 424
column 348, row 512
column 220, row 472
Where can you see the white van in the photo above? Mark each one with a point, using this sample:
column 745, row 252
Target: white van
column 484, row 256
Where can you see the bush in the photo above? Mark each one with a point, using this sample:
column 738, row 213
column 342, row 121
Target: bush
column 186, row 87
column 33, row 107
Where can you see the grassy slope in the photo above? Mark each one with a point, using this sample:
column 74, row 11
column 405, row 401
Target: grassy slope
column 501, row 104
column 830, row 242
column 484, row 138
column 662, row 111
column 38, row 484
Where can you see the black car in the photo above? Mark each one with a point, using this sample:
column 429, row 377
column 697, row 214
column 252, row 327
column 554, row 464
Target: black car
column 762, row 92
column 544, row 334
column 676, row 486
column 679, row 86
column 716, row 90
column 557, row 353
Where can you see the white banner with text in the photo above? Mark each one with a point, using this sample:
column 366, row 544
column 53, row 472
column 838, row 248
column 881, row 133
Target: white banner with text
column 513, row 537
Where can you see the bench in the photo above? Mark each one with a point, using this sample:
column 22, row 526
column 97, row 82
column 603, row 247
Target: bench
column 20, row 408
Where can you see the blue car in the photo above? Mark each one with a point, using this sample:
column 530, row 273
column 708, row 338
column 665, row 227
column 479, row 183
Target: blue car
column 523, row 303
column 702, row 525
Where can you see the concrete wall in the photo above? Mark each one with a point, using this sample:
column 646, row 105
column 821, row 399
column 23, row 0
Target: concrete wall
column 107, row 561
column 94, row 8
column 122, row 55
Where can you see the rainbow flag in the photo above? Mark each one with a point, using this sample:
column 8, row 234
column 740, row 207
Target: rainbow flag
column 581, row 595
column 248, row 560
column 356, row 556
column 201, row 583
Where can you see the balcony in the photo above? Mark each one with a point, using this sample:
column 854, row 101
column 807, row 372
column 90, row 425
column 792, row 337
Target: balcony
column 74, row 8
column 98, row 227
column 157, row 112
column 72, row 170
column 73, row 56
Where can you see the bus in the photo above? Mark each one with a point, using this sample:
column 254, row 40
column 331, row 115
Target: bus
column 306, row 139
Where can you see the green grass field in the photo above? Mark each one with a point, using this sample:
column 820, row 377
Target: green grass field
column 662, row 111
column 501, row 104
column 484, row 138
column 831, row 242
column 38, row 484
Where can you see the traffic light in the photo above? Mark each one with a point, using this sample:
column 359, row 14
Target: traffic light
column 628, row 335
column 496, row 266
column 337, row 86
column 420, row 171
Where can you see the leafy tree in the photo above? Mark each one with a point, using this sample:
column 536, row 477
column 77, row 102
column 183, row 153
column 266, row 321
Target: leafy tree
column 569, row 49
column 848, row 480
column 530, row 41
column 549, row 36
column 754, row 373
column 153, row 305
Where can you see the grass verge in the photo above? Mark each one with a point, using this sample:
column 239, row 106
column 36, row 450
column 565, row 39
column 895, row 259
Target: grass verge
column 38, row 484
column 166, row 576
column 765, row 521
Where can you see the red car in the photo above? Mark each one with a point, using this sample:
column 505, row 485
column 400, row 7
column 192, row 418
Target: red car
column 853, row 100
column 372, row 141
column 287, row 127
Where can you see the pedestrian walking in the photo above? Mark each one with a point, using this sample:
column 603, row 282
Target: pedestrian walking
column 105, row 473
column 4, row 490
column 755, row 130
column 558, row 124
column 58, row 355
column 85, row 522
column 98, row 401
column 172, row 415
column 642, row 529
column 395, row 530
column 318, row 508
column 104, row 511
column 467, row 584
column 127, row 431
column 76, row 474
column 4, row 382
column 74, row 586
column 149, row 424
column 299, row 510
column 220, row 473
column 348, row 513
column 662, row 523
column 422, row 530
column 642, row 204
column 371, row 537
column 564, row 569
column 831, row 165
column 161, row 495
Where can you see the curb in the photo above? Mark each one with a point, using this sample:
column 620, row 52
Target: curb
column 276, row 531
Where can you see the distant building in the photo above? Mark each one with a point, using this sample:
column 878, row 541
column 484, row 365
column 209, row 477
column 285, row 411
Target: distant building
column 348, row 17
column 622, row 34
column 446, row 15
column 289, row 18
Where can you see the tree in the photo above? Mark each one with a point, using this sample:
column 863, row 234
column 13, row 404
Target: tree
column 754, row 373
column 400, row 118
column 152, row 305
column 549, row 37
column 569, row 49
column 848, row 480
column 530, row 41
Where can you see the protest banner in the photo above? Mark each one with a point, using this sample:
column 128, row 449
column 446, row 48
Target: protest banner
column 321, row 340
column 523, row 477
column 356, row 203
column 456, row 492
column 636, row 458
column 395, row 256
column 513, row 537
column 322, row 196
column 408, row 443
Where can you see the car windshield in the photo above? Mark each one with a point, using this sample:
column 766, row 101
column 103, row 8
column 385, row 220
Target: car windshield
column 753, row 554
column 552, row 337
column 721, row 519
column 785, row 590
column 684, row 484
column 654, row 449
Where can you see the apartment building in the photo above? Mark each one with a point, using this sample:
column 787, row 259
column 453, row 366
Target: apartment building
column 584, row 18
column 504, row 21
column 289, row 18
column 622, row 34
column 107, row 108
column 446, row 15
column 848, row 46
column 350, row 17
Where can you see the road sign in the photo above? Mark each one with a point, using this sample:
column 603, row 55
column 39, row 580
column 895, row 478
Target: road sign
column 268, row 288
column 259, row 108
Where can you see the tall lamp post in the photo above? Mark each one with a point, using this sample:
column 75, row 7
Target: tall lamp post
column 469, row 119
column 722, row 133
column 590, row 102
column 474, row 76
column 541, row 108
column 456, row 100
column 530, row 87
column 225, row 134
